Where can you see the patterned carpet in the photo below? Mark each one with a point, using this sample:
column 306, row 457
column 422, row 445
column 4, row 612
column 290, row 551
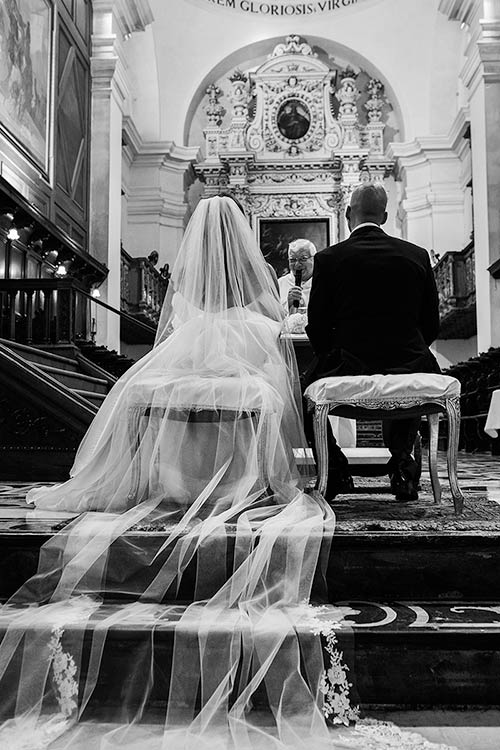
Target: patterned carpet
column 372, row 508
column 369, row 509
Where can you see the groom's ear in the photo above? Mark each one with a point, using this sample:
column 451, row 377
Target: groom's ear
column 348, row 216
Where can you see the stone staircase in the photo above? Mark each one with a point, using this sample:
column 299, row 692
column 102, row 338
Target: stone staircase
column 68, row 371
column 422, row 613
column 108, row 360
column 47, row 400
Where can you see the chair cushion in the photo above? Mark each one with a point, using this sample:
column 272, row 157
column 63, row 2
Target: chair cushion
column 416, row 388
column 194, row 392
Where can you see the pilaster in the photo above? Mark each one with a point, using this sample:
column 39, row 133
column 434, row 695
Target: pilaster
column 433, row 197
column 481, row 77
column 113, row 22
column 156, row 209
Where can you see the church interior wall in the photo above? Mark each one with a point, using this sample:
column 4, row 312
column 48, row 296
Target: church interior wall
column 423, row 91
column 429, row 201
column 159, row 99
column 427, row 95
column 143, row 106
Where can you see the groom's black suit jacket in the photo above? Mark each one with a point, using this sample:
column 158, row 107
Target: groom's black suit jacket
column 373, row 307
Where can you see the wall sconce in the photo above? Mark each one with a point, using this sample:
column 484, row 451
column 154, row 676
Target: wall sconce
column 13, row 234
column 95, row 293
column 61, row 271
column 18, row 223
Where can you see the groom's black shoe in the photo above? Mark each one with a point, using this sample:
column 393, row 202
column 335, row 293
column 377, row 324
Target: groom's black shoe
column 338, row 485
column 403, row 486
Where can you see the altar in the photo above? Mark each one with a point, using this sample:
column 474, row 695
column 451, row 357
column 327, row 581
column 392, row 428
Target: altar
column 301, row 132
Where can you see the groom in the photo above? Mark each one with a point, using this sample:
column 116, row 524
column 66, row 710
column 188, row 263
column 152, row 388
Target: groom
column 374, row 309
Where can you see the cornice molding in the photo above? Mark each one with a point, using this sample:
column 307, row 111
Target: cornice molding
column 125, row 16
column 458, row 128
column 458, row 10
column 471, row 70
column 145, row 203
column 489, row 55
column 157, row 153
column 102, row 70
column 433, row 147
column 132, row 16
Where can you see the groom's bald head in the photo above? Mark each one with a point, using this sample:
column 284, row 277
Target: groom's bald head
column 368, row 203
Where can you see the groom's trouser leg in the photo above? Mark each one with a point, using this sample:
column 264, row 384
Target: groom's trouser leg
column 399, row 437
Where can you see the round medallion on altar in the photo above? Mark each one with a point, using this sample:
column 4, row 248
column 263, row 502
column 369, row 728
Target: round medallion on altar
column 293, row 119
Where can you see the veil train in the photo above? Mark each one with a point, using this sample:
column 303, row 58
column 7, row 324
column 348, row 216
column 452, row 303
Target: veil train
column 173, row 612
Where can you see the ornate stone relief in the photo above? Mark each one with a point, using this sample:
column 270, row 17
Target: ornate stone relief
column 298, row 125
column 303, row 205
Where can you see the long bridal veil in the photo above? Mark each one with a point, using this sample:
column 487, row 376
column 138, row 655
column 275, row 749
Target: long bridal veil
column 210, row 415
column 175, row 605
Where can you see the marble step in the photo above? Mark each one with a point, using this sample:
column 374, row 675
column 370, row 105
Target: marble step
column 40, row 357
column 399, row 654
column 92, row 396
column 362, row 565
column 77, row 380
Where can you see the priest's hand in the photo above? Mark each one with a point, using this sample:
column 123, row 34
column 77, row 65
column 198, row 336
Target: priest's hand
column 295, row 294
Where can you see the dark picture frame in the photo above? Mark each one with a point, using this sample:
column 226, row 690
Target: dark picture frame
column 26, row 50
column 293, row 119
column 276, row 234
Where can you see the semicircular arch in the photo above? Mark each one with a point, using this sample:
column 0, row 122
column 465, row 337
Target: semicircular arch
column 253, row 55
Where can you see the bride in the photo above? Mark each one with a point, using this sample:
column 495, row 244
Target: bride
column 193, row 445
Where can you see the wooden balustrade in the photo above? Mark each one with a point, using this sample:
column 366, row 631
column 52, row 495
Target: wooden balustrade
column 143, row 288
column 43, row 311
column 479, row 377
column 455, row 279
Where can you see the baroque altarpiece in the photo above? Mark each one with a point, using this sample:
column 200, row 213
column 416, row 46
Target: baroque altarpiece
column 299, row 135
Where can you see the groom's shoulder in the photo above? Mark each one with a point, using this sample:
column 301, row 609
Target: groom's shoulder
column 334, row 251
column 360, row 243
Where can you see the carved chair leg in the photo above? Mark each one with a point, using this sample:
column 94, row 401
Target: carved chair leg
column 262, row 451
column 433, row 420
column 134, row 440
column 453, row 412
column 320, row 423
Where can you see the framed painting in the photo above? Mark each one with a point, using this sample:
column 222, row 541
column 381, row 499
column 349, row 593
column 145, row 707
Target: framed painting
column 276, row 234
column 25, row 76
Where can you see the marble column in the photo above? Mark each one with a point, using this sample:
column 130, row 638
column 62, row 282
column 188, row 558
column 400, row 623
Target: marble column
column 432, row 208
column 157, row 211
column 480, row 24
column 105, row 169
column 482, row 77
